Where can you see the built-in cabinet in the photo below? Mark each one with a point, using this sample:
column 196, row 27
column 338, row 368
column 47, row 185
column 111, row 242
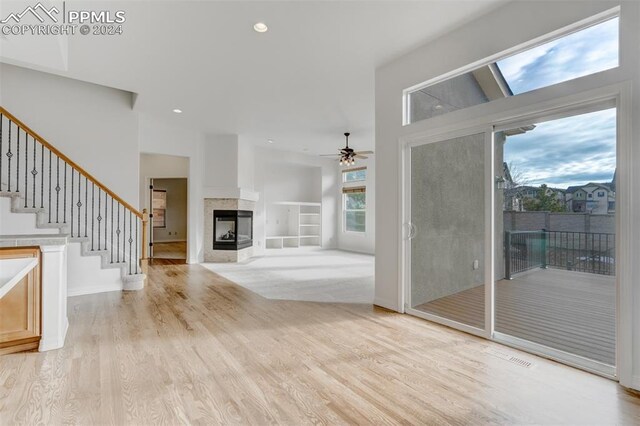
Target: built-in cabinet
column 20, row 299
column 295, row 224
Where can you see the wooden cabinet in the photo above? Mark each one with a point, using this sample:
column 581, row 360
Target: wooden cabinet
column 20, row 301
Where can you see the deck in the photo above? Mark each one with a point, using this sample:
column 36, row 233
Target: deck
column 566, row 310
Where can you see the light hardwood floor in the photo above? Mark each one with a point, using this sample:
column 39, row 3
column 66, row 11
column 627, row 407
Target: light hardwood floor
column 193, row 347
column 171, row 250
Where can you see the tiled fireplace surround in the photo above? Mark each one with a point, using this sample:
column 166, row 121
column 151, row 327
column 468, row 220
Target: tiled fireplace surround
column 211, row 204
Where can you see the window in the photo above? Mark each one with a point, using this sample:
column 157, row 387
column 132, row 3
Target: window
column 354, row 175
column 577, row 54
column 159, row 208
column 601, row 194
column 590, row 195
column 354, row 207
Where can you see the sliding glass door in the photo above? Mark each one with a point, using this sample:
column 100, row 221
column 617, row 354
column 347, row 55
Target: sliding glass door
column 446, row 228
column 511, row 234
column 555, row 289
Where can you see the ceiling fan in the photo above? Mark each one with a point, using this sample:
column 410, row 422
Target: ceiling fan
column 347, row 155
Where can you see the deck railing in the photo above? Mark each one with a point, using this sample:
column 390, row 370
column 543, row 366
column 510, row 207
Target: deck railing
column 591, row 252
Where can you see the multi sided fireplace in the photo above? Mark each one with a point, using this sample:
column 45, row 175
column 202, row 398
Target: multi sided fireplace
column 232, row 229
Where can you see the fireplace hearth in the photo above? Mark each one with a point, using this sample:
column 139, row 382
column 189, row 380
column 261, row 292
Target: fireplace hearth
column 232, row 229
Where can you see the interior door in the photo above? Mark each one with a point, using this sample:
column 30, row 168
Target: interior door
column 447, row 212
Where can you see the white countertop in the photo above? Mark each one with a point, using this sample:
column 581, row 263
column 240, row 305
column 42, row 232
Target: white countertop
column 14, row 270
column 31, row 240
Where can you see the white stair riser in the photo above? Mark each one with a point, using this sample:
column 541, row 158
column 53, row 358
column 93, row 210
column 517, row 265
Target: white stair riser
column 89, row 271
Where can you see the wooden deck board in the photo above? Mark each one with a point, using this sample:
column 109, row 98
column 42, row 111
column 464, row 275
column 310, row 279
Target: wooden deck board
column 566, row 310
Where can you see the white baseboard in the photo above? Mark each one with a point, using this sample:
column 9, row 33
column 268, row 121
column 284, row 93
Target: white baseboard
column 92, row 290
column 391, row 305
column 57, row 342
column 635, row 383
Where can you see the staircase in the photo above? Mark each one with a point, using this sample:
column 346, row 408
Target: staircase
column 38, row 180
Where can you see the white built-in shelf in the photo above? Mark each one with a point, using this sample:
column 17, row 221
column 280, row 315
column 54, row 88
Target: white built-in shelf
column 304, row 225
column 296, row 203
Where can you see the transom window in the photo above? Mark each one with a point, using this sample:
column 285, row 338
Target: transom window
column 354, row 175
column 577, row 54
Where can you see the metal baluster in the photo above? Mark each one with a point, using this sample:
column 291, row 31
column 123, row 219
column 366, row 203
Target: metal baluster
column 79, row 201
column 64, row 195
column 34, row 173
column 124, row 234
column 26, row 167
column 86, row 204
column 130, row 241
column 106, row 222
column 9, row 155
column 49, row 186
column 99, row 218
column 118, row 235
column 93, row 187
column 18, row 160
column 1, row 122
column 71, row 204
column 137, row 258
column 42, row 176
column 111, row 230
column 57, row 189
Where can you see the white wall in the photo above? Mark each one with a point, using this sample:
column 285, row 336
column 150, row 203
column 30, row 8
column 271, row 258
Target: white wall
column 157, row 137
column 176, row 212
column 502, row 29
column 354, row 241
column 221, row 159
column 288, row 176
column 93, row 125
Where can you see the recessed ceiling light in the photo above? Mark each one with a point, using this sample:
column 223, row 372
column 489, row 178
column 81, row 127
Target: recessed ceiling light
column 177, row 111
column 438, row 106
column 260, row 27
column 270, row 140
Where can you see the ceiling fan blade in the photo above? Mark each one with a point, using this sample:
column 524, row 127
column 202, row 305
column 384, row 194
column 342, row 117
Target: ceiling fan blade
column 329, row 155
column 362, row 157
column 363, row 152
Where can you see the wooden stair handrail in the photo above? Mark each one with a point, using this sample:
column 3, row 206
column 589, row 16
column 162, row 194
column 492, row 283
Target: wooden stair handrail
column 80, row 170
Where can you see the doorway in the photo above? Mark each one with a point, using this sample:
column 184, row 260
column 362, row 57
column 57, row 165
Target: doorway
column 168, row 218
column 511, row 234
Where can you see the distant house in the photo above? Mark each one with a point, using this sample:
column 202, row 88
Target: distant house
column 514, row 197
column 594, row 198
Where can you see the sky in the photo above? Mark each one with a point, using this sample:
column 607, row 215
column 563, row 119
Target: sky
column 575, row 150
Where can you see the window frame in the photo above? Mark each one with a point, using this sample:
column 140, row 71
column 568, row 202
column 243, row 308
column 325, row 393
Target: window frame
column 345, row 172
column 154, row 209
column 531, row 44
column 353, row 190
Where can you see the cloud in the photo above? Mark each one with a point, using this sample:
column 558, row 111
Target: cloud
column 582, row 53
column 568, row 151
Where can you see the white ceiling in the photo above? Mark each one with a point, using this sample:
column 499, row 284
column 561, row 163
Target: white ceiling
column 302, row 84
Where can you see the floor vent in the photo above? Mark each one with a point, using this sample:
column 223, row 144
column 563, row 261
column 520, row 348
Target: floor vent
column 520, row 362
column 507, row 357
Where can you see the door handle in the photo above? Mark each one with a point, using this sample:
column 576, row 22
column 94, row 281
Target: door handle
column 411, row 230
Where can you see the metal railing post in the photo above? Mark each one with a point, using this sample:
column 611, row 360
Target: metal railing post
column 543, row 247
column 507, row 254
